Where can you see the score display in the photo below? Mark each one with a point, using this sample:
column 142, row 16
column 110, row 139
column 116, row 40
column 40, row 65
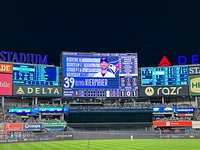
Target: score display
column 164, row 76
column 35, row 75
column 100, row 74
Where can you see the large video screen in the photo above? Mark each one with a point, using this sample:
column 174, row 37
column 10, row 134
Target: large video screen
column 100, row 74
column 164, row 76
column 35, row 75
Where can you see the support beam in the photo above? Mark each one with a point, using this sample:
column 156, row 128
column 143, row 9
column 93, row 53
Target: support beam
column 3, row 102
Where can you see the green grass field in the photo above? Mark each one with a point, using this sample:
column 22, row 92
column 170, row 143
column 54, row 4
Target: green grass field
column 152, row 144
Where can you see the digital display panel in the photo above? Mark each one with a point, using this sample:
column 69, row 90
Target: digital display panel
column 164, row 76
column 20, row 110
column 35, row 75
column 51, row 110
column 100, row 74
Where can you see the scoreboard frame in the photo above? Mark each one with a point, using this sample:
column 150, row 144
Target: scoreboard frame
column 98, row 54
column 57, row 74
column 141, row 76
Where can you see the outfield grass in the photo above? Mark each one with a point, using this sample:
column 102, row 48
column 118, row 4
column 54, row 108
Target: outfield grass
column 152, row 144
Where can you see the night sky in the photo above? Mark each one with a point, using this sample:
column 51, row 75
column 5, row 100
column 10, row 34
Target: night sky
column 151, row 28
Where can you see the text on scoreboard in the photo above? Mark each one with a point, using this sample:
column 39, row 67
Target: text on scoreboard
column 100, row 74
column 35, row 75
column 164, row 76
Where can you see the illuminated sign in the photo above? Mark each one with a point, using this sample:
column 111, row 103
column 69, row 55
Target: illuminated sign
column 164, row 62
column 164, row 76
column 163, row 91
column 194, row 70
column 35, row 75
column 44, row 91
column 19, row 110
column 194, row 85
column 183, row 60
column 16, row 57
column 172, row 123
column 100, row 74
column 5, row 84
column 51, row 109
column 6, row 68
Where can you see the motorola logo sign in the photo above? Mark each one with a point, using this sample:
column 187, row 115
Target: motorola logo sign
column 149, row 91
column 164, row 91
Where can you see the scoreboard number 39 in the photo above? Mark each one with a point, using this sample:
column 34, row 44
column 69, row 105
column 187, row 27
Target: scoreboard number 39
column 69, row 82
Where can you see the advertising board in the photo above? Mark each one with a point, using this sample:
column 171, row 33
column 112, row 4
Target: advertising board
column 172, row 123
column 5, row 68
column 5, row 84
column 160, row 91
column 13, row 127
column 33, row 127
column 44, row 91
column 194, row 85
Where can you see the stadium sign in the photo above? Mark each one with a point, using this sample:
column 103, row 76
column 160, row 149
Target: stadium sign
column 163, row 91
column 33, row 127
column 194, row 70
column 194, row 85
column 44, row 91
column 5, row 84
column 7, row 56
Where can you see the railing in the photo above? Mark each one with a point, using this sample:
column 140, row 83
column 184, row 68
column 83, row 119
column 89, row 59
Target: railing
column 81, row 135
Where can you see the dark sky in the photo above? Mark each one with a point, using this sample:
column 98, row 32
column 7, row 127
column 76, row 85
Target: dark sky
column 151, row 28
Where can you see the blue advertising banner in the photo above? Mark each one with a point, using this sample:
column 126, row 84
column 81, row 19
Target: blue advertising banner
column 33, row 127
column 191, row 110
column 163, row 109
column 51, row 109
column 171, row 109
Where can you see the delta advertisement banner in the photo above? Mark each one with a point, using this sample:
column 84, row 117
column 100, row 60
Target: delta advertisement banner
column 37, row 91
column 13, row 127
column 6, row 68
column 5, row 84
column 172, row 123
column 194, row 85
column 161, row 91
column 33, row 127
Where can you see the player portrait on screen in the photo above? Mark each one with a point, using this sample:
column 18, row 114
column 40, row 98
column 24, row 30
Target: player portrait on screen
column 104, row 69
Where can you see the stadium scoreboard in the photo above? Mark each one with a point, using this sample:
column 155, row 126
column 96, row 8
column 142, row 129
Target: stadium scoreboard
column 83, row 77
column 35, row 75
column 164, row 76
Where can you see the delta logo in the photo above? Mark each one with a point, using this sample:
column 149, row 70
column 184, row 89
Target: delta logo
column 40, row 91
column 20, row 91
column 181, row 60
column 164, row 62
